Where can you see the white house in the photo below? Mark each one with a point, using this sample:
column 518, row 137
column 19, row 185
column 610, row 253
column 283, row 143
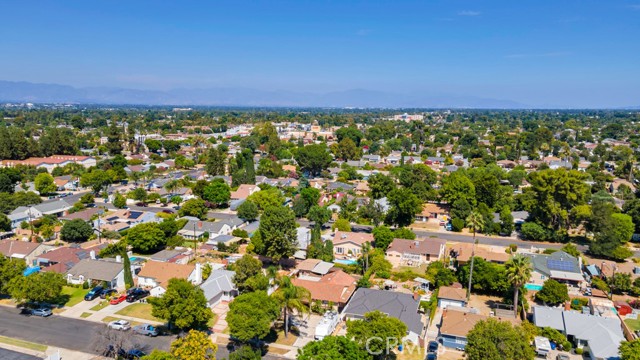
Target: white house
column 155, row 275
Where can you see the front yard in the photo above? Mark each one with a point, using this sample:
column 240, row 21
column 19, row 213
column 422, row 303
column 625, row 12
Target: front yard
column 139, row 311
column 71, row 296
column 633, row 324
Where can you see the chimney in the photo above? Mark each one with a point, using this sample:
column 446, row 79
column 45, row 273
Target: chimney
column 119, row 258
column 199, row 224
column 92, row 254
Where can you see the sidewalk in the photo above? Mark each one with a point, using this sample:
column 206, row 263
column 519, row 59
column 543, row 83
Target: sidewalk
column 65, row 354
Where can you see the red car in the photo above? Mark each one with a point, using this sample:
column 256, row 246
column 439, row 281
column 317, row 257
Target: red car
column 118, row 299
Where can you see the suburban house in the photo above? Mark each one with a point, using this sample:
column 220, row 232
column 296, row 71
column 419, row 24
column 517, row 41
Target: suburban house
column 66, row 183
column 85, row 215
column 600, row 336
column 403, row 307
column 433, row 211
column 52, row 162
column 457, row 322
column 124, row 219
column 333, row 288
column 196, row 229
column 349, row 244
column 244, row 191
column 450, row 296
column 462, row 253
column 219, row 287
column 62, row 259
column 156, row 275
column 178, row 256
column 312, row 269
column 110, row 271
column 28, row 251
column 559, row 266
column 56, row 208
column 403, row 252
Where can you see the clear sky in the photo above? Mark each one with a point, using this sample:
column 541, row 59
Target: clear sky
column 537, row 52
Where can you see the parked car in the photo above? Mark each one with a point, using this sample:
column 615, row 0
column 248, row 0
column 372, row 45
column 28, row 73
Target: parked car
column 44, row 312
column 134, row 354
column 562, row 357
column 433, row 346
column 146, row 329
column 94, row 293
column 448, row 227
column 119, row 325
column 136, row 294
column 107, row 292
column 118, row 299
column 431, row 356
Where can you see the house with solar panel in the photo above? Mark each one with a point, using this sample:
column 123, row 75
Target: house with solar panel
column 559, row 266
column 124, row 219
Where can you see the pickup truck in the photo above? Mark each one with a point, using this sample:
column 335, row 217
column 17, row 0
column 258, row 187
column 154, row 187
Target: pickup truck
column 146, row 329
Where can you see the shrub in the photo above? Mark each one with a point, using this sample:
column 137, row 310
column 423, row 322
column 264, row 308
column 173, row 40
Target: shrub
column 579, row 351
column 383, row 274
column 533, row 231
column 457, row 225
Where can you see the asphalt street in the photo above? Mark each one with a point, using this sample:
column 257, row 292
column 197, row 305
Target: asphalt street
column 56, row 331
column 14, row 355
column 73, row 334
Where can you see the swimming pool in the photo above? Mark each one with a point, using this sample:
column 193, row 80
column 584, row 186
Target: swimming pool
column 135, row 258
column 345, row 261
column 533, row 287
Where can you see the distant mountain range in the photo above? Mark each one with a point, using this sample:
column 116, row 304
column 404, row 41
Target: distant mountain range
column 11, row 91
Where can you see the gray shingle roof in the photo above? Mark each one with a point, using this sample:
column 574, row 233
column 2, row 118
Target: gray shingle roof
column 97, row 269
column 218, row 281
column 398, row 305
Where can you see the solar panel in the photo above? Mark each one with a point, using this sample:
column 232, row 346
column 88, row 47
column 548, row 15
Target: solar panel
column 134, row 214
column 560, row 265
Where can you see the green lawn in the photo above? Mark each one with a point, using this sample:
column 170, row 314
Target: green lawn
column 71, row 296
column 634, row 325
column 85, row 315
column 140, row 311
column 103, row 304
column 23, row 344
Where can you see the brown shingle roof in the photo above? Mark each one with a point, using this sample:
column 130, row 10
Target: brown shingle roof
column 14, row 247
column 429, row 246
column 452, row 293
column 162, row 272
column 342, row 237
column 337, row 287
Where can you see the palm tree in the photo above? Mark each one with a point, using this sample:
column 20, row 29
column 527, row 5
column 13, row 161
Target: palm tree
column 172, row 186
column 475, row 222
column 518, row 273
column 291, row 298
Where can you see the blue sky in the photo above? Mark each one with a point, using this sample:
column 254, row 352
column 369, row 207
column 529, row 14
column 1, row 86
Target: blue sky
column 540, row 53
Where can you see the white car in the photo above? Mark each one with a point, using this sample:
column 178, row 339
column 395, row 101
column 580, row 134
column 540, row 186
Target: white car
column 120, row 325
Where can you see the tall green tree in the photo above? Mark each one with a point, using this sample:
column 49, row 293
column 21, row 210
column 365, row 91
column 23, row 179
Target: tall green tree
column 246, row 267
column 146, row 237
column 114, row 139
column 248, row 211
column 39, row 287
column 553, row 293
column 183, row 305
column 128, row 278
column 497, row 340
column 278, row 231
column 404, row 207
column 291, row 298
column 9, row 269
column 197, row 345
column 76, row 230
column 313, row 158
column 250, row 315
column 217, row 192
column 518, row 272
column 216, row 161
column 44, row 183
column 374, row 330
column 333, row 348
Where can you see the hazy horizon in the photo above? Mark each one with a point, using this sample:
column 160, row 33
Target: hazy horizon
column 576, row 54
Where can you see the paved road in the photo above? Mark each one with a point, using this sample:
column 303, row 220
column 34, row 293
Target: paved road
column 73, row 334
column 451, row 236
column 14, row 355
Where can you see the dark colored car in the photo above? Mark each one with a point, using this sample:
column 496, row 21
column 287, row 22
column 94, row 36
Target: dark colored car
column 433, row 346
column 134, row 354
column 107, row 292
column 94, row 293
column 136, row 294
column 431, row 356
